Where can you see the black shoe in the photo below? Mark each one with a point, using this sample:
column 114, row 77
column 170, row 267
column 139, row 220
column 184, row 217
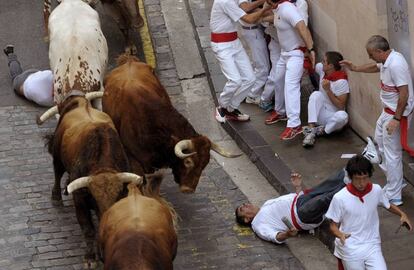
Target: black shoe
column 8, row 49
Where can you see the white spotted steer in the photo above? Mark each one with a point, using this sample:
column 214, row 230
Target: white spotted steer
column 78, row 51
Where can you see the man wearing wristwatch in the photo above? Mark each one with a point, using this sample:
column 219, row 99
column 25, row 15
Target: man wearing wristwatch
column 295, row 40
column 398, row 101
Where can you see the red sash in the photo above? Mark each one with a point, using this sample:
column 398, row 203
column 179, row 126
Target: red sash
column 223, row 37
column 356, row 192
column 292, row 214
column 307, row 63
column 403, row 132
column 340, row 265
column 336, row 75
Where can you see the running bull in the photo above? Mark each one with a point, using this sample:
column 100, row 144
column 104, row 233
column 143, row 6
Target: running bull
column 87, row 146
column 153, row 132
column 78, row 51
column 138, row 232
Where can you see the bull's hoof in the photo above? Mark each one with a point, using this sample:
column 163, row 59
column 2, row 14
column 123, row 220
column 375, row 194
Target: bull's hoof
column 38, row 121
column 131, row 50
column 57, row 199
column 89, row 264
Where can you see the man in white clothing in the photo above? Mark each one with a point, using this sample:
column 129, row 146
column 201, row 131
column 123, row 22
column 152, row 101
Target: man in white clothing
column 295, row 40
column 398, row 101
column 266, row 99
column 253, row 35
column 35, row 85
column 326, row 107
column 233, row 59
column 354, row 219
column 304, row 209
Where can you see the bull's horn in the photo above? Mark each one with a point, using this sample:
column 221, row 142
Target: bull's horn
column 129, row 178
column 78, row 183
column 93, row 95
column 218, row 149
column 181, row 146
column 46, row 115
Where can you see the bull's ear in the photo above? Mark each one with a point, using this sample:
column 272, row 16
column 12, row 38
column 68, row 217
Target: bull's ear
column 152, row 188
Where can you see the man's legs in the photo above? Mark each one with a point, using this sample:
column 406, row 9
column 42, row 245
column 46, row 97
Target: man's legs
column 391, row 152
column 294, row 71
column 14, row 65
column 247, row 76
column 225, row 56
column 336, row 122
column 270, row 86
column 374, row 261
column 260, row 58
column 280, row 85
column 312, row 206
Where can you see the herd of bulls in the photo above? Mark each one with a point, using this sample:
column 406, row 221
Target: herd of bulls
column 112, row 156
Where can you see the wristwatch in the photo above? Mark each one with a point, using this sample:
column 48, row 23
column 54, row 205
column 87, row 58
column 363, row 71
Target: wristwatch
column 311, row 49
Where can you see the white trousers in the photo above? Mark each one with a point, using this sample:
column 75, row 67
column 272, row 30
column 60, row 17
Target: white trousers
column 375, row 261
column 235, row 65
column 323, row 113
column 270, row 86
column 289, row 70
column 391, row 151
column 260, row 58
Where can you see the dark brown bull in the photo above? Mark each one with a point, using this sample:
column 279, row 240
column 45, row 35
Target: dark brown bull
column 138, row 231
column 86, row 145
column 153, row 132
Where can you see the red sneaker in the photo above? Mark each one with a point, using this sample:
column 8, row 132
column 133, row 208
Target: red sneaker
column 290, row 133
column 274, row 117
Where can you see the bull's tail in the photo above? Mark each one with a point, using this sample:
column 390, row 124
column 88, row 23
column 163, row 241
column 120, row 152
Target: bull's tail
column 49, row 139
column 47, row 9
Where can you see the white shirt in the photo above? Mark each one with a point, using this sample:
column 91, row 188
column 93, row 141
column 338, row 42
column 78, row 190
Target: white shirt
column 338, row 87
column 303, row 9
column 395, row 72
column 286, row 16
column 224, row 16
column 268, row 221
column 38, row 87
column 360, row 219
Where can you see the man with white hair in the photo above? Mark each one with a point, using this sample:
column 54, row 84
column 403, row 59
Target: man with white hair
column 398, row 101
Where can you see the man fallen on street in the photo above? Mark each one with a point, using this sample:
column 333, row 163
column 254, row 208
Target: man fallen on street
column 326, row 107
column 305, row 210
column 354, row 219
column 32, row 84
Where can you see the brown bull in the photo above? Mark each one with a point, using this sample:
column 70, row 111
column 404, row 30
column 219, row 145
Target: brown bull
column 138, row 231
column 153, row 132
column 86, row 145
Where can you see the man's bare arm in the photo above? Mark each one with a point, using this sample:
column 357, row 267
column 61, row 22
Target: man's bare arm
column 366, row 68
column 248, row 7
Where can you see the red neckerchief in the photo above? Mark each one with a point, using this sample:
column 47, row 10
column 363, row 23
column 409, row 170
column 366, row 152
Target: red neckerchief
column 356, row 192
column 336, row 75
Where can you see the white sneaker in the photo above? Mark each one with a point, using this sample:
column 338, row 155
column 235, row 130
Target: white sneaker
column 371, row 151
column 309, row 140
column 253, row 100
column 220, row 115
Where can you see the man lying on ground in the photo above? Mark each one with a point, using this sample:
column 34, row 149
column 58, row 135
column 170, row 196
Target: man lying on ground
column 305, row 210
column 32, row 84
